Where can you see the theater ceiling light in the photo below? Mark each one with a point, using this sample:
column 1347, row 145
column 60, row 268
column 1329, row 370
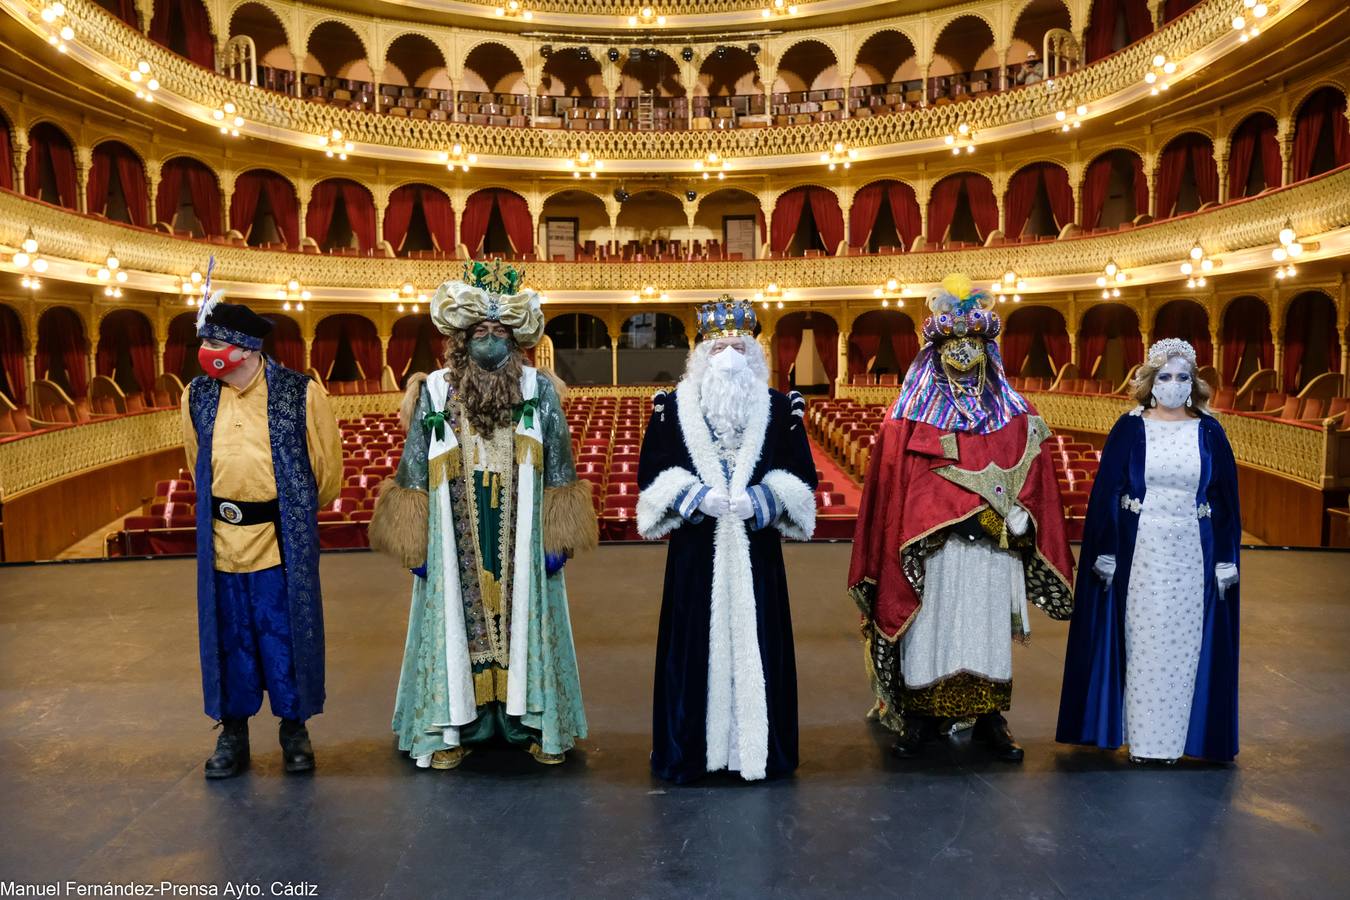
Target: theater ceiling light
column 962, row 139
column 839, row 155
column 514, row 9
column 1290, row 249
column 1248, row 21
column 27, row 261
column 143, row 81
column 647, row 17
column 772, row 293
column 712, row 163
column 293, row 295
column 1069, row 119
column 1112, row 277
column 649, row 294
column 1162, row 72
column 60, row 33
column 584, row 162
column 779, row 8
column 1196, row 267
column 1010, row 287
column 458, row 157
column 892, row 291
column 334, row 145
column 227, row 115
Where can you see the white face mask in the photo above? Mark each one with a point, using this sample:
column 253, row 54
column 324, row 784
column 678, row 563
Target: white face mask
column 728, row 359
column 1172, row 384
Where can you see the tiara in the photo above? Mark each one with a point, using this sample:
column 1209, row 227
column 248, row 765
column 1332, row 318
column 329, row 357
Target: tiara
column 495, row 277
column 725, row 317
column 1163, row 350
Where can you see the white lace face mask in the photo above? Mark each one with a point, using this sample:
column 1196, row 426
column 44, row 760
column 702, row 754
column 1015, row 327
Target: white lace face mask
column 1172, row 384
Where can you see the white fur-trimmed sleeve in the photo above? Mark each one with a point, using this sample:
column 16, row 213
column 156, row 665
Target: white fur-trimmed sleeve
column 797, row 502
column 657, row 512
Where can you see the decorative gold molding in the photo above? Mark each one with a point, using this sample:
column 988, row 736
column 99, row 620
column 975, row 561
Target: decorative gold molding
column 196, row 92
column 32, row 462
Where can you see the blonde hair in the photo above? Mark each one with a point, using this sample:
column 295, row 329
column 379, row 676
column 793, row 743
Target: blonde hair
column 1141, row 387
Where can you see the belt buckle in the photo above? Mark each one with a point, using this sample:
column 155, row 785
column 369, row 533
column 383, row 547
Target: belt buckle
column 230, row 512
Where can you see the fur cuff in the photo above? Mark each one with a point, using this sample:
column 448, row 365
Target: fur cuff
column 410, row 397
column 398, row 526
column 569, row 518
column 798, row 519
column 656, row 512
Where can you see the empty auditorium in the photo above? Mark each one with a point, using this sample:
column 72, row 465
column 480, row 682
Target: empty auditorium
column 675, row 448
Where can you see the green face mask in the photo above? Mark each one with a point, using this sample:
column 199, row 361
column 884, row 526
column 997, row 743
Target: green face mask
column 489, row 351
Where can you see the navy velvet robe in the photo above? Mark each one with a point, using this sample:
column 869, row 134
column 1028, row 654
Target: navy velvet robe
column 680, row 699
column 1091, row 709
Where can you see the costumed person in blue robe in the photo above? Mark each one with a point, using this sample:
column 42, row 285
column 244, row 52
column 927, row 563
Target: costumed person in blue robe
column 960, row 530
column 486, row 508
column 726, row 471
column 1152, row 659
column 264, row 449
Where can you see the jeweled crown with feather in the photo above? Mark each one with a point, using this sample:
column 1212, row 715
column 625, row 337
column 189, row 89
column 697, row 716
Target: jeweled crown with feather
column 727, row 317
column 959, row 309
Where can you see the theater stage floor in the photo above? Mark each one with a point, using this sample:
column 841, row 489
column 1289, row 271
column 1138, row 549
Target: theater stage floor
column 101, row 745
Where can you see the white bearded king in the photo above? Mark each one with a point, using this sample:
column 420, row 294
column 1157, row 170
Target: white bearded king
column 485, row 509
column 726, row 472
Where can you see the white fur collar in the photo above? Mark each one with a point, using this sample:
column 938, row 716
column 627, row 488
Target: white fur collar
column 698, row 438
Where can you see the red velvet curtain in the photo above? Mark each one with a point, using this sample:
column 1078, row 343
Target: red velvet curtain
column 825, row 334
column 361, row 213
column 285, row 209
column 904, row 343
column 1101, row 31
column 244, row 201
column 829, row 218
column 61, row 333
column 1308, row 128
column 12, row 354
column 1298, row 334
column 1240, row 152
column 515, row 213
column 285, row 345
column 1246, row 321
column 124, row 10
column 6, row 158
column 1020, row 332
column 1060, row 192
column 361, row 337
column 129, row 329
column 1272, row 163
column 864, row 341
column 134, row 188
column 474, row 221
column 942, row 207
column 323, row 349
column 440, row 218
column 182, row 339
column 319, row 213
column 787, row 214
column 46, row 140
column 1174, row 8
column 1096, row 182
column 403, row 342
column 1206, row 171
column 1186, row 320
column 1019, row 198
column 96, row 185
column 862, row 215
column 983, row 205
column 205, row 195
column 191, row 17
column 788, row 340
column 398, row 215
column 1096, row 329
column 905, row 211
column 1199, row 151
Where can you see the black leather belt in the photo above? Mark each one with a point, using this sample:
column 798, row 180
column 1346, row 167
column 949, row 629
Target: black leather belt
column 243, row 512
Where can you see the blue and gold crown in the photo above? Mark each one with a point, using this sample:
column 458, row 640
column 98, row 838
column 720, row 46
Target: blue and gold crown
column 725, row 317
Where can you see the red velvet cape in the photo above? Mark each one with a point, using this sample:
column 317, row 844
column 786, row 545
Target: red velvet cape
column 904, row 500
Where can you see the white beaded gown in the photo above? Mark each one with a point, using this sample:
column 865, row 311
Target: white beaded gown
column 1164, row 611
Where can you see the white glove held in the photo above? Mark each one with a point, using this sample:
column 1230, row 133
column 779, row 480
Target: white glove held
column 1105, row 567
column 1017, row 521
column 715, row 503
column 1226, row 575
column 741, row 507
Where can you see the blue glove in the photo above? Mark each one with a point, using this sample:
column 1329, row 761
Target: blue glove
column 420, row 571
column 554, row 562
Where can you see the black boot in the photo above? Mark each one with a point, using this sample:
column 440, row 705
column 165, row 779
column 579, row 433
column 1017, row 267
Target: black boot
column 231, row 756
column 992, row 729
column 296, row 752
column 918, row 731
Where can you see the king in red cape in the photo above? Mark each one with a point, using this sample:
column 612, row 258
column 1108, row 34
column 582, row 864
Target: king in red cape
column 960, row 530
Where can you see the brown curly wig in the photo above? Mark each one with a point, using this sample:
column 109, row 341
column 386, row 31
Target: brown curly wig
column 488, row 397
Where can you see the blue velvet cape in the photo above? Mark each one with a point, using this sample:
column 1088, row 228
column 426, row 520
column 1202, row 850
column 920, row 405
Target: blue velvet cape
column 298, row 535
column 1091, row 707
column 680, row 695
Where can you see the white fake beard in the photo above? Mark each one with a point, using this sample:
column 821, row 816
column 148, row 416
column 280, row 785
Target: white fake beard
column 722, row 400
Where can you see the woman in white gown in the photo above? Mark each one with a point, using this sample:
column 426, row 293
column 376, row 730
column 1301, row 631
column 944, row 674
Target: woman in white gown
column 1158, row 671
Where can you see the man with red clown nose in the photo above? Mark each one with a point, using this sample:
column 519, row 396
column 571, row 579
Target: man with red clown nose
column 263, row 446
column 960, row 528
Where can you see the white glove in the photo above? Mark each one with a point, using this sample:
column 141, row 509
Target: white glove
column 741, row 506
column 1017, row 521
column 1105, row 567
column 715, row 503
column 1226, row 574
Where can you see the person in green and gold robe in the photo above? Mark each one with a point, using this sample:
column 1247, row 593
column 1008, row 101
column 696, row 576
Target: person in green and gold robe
column 486, row 508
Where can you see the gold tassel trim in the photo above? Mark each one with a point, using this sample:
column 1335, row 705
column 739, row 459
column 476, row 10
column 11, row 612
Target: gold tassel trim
column 489, row 685
column 529, row 450
column 492, row 592
column 444, row 467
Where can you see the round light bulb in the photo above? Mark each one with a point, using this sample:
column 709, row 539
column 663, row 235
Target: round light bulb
column 39, row 265
column 21, row 260
column 1197, row 251
column 1287, row 235
column 1279, row 254
column 1111, row 267
column 1295, row 249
